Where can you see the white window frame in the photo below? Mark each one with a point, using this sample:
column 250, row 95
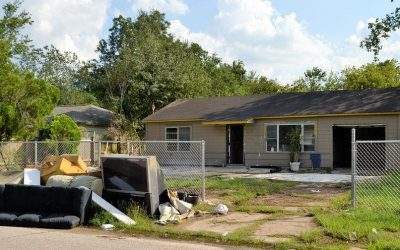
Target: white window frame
column 178, row 149
column 278, row 139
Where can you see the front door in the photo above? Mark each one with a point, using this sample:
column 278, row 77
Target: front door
column 234, row 144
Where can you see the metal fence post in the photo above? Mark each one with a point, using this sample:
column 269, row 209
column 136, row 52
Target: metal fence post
column 203, row 166
column 99, row 153
column 36, row 154
column 353, row 167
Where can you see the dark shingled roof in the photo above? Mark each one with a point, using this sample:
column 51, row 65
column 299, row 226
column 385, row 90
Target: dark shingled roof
column 285, row 104
column 87, row 115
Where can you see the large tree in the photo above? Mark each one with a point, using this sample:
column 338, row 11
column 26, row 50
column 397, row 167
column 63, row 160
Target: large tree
column 142, row 68
column 380, row 29
column 373, row 75
column 25, row 100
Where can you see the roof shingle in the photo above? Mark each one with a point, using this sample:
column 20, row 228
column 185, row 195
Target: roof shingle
column 285, row 104
column 86, row 114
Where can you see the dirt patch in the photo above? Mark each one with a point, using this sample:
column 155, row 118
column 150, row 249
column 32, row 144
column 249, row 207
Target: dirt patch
column 288, row 227
column 223, row 224
column 304, row 195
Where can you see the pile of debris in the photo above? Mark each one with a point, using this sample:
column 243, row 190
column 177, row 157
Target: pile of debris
column 122, row 179
column 175, row 210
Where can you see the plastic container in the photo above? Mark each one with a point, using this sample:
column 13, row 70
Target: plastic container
column 315, row 160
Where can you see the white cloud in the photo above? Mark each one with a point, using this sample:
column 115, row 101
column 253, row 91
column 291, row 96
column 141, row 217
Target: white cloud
column 278, row 45
column 269, row 42
column 166, row 6
column 73, row 25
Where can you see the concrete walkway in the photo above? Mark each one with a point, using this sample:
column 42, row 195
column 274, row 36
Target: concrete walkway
column 306, row 177
column 81, row 238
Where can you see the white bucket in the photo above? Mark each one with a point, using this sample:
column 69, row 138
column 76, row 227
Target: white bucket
column 31, row 176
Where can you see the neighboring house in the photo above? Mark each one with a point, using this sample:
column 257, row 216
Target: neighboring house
column 249, row 129
column 93, row 119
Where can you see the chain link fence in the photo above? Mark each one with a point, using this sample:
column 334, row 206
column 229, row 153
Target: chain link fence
column 181, row 162
column 376, row 175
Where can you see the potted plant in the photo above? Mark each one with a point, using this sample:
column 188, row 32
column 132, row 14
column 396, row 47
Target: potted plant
column 294, row 139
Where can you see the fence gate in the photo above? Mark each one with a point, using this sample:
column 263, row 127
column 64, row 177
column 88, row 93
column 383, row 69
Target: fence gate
column 376, row 174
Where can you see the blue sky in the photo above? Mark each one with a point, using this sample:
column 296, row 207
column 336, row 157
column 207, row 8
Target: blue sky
column 279, row 39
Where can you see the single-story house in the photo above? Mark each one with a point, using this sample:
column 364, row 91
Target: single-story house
column 94, row 120
column 248, row 130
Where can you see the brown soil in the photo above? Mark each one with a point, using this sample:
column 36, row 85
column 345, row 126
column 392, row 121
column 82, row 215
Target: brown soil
column 302, row 195
column 291, row 226
column 223, row 224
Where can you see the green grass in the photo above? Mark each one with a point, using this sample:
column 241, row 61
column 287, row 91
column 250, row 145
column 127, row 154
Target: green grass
column 242, row 194
column 239, row 194
column 385, row 243
column 311, row 236
column 363, row 225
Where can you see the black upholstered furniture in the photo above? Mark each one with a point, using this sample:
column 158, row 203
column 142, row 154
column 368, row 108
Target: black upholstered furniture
column 40, row 206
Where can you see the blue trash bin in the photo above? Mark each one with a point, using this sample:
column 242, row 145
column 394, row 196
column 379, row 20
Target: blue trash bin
column 315, row 160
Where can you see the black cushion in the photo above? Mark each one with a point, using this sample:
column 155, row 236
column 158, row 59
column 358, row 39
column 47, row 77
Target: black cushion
column 34, row 202
column 7, row 219
column 1, row 198
column 27, row 220
column 60, row 221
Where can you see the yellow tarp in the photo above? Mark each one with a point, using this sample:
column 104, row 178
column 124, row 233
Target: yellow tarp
column 62, row 165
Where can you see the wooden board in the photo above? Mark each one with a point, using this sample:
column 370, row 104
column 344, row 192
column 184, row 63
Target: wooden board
column 112, row 210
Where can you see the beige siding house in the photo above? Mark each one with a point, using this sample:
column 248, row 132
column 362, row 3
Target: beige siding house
column 251, row 130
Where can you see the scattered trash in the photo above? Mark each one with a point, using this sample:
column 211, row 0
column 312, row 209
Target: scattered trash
column 221, row 209
column 175, row 210
column 31, row 176
column 225, row 234
column 107, row 227
column 168, row 214
column 192, row 199
column 315, row 191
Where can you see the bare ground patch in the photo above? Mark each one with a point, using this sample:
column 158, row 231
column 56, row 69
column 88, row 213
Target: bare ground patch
column 223, row 224
column 281, row 229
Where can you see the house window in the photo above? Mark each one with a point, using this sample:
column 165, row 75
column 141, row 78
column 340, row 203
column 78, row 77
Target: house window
column 284, row 133
column 180, row 135
column 272, row 138
column 308, row 138
column 184, row 135
column 277, row 137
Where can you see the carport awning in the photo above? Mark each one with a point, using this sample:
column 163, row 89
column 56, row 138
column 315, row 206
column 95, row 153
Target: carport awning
column 227, row 122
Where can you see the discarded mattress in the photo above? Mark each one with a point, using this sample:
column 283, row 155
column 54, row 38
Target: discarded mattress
column 62, row 165
column 93, row 183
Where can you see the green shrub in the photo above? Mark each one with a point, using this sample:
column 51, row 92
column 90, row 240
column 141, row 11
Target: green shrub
column 61, row 128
